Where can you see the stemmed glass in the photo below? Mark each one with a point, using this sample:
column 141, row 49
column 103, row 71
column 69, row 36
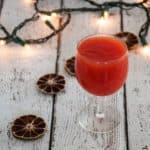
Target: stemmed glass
column 101, row 68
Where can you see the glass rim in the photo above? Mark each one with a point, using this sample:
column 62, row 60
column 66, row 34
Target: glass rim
column 105, row 35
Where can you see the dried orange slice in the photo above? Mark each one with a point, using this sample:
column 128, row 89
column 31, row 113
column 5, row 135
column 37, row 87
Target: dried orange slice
column 70, row 66
column 51, row 83
column 28, row 127
column 129, row 38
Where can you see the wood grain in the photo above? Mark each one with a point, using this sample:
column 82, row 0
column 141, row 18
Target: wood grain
column 20, row 69
column 138, row 87
column 67, row 133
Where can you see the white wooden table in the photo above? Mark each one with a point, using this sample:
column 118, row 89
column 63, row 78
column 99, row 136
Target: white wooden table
column 20, row 69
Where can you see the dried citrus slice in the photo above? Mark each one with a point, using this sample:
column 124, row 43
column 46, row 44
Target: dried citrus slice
column 51, row 83
column 129, row 38
column 69, row 66
column 28, row 127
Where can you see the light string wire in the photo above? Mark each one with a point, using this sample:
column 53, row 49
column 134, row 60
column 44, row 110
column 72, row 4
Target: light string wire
column 106, row 6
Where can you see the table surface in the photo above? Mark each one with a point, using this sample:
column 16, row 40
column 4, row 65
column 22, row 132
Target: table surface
column 20, row 69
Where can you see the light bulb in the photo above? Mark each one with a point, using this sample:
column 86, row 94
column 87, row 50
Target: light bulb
column 45, row 17
column 30, row 1
column 106, row 14
column 54, row 15
column 104, row 18
column 2, row 42
column 28, row 51
column 146, row 50
column 147, row 4
column 27, row 47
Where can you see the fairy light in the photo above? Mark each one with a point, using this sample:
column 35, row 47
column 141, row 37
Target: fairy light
column 146, row 50
column 2, row 42
column 30, row 1
column 27, row 47
column 106, row 14
column 104, row 18
column 45, row 17
column 102, row 21
column 54, row 15
column 28, row 51
column 146, row 4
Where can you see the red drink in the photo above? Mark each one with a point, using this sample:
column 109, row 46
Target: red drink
column 101, row 64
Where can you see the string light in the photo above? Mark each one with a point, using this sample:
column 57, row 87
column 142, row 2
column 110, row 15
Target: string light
column 102, row 21
column 2, row 42
column 54, row 15
column 28, row 51
column 104, row 18
column 30, row 1
column 106, row 14
column 145, row 50
column 45, row 17
column 27, row 47
column 146, row 4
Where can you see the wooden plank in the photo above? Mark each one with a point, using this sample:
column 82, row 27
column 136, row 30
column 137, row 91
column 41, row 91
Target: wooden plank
column 138, row 87
column 67, row 133
column 1, row 5
column 20, row 69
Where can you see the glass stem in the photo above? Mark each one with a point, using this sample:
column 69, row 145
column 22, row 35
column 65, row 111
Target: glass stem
column 100, row 108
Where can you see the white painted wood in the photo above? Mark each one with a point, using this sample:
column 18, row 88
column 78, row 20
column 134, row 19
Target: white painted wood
column 20, row 69
column 138, row 87
column 68, row 135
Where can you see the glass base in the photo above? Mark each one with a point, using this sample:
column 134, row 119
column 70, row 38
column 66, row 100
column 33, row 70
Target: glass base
column 98, row 119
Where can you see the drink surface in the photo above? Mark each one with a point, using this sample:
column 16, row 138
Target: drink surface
column 101, row 64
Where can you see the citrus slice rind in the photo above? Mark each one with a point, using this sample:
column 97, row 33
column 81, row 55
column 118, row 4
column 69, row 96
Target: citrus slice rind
column 70, row 66
column 129, row 38
column 28, row 127
column 51, row 84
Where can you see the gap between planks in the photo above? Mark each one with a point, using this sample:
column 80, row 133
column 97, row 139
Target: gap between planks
column 124, row 90
column 53, row 119
column 1, row 5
